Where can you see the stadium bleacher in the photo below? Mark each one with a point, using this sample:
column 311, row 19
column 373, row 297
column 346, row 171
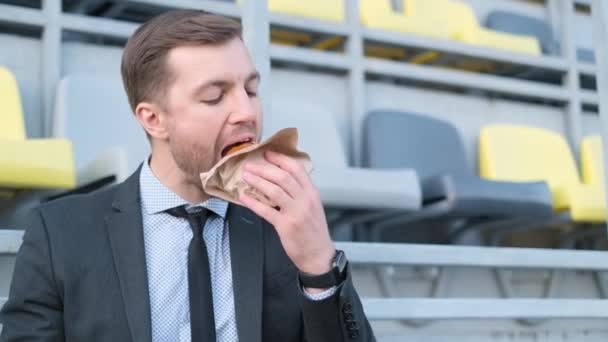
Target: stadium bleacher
column 425, row 120
column 517, row 153
column 29, row 163
column 450, row 190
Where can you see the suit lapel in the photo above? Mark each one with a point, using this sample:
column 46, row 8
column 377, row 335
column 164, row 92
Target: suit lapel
column 125, row 230
column 247, row 258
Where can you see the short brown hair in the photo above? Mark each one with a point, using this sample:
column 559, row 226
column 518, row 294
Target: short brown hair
column 143, row 67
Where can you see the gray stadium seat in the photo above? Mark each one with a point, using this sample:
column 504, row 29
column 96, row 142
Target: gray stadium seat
column 343, row 187
column 92, row 111
column 435, row 150
column 515, row 23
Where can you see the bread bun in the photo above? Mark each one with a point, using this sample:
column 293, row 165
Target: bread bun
column 238, row 147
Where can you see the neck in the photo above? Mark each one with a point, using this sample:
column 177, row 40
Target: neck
column 170, row 175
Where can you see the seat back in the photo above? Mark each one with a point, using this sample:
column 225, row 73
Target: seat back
column 457, row 18
column 519, row 24
column 379, row 14
column 519, row 153
column 369, row 8
column 12, row 126
column 93, row 112
column 320, row 9
column 318, row 133
column 592, row 161
column 430, row 146
column 372, row 12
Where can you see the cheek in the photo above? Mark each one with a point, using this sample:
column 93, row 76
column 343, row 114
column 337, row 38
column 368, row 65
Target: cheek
column 203, row 132
column 197, row 126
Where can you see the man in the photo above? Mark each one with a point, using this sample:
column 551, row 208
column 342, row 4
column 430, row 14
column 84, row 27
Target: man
column 155, row 258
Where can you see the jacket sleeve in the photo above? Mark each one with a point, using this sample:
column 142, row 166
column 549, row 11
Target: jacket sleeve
column 337, row 318
column 33, row 311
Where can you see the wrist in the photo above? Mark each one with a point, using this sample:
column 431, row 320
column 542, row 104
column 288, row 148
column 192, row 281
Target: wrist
column 333, row 277
column 319, row 265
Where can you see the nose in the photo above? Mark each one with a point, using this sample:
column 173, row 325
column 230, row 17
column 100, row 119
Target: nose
column 243, row 109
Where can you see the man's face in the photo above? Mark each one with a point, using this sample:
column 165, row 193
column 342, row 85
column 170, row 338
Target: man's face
column 211, row 104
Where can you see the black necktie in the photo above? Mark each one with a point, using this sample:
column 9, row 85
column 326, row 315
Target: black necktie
column 202, row 322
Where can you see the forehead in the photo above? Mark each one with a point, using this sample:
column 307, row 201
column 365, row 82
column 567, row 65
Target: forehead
column 203, row 62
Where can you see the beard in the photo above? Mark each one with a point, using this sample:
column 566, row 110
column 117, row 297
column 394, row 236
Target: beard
column 191, row 157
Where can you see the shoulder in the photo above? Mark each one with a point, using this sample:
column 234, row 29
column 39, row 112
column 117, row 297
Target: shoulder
column 79, row 205
column 74, row 217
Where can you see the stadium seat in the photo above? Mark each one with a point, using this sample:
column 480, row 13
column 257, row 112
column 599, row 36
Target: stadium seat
column 325, row 10
column 29, row 163
column 343, row 187
column 464, row 27
column 322, row 10
column 592, row 164
column 379, row 14
column 333, row 11
column 515, row 23
column 443, row 19
column 435, row 150
column 93, row 112
column 524, row 154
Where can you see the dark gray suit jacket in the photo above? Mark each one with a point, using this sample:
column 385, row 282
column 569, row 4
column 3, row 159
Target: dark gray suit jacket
column 80, row 275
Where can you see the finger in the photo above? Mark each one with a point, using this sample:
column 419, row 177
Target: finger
column 277, row 176
column 274, row 192
column 290, row 165
column 264, row 211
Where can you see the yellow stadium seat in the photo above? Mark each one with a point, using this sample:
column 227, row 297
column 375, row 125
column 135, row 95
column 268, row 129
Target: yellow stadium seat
column 468, row 30
column 379, row 14
column 459, row 20
column 442, row 19
column 517, row 153
column 592, row 165
column 29, row 163
column 323, row 10
column 320, row 9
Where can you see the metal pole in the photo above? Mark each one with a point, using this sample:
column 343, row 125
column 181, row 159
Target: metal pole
column 573, row 108
column 356, row 82
column 51, row 61
column 600, row 39
column 256, row 33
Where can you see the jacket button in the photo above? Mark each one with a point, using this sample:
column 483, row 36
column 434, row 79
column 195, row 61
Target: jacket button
column 347, row 308
column 353, row 334
column 351, row 325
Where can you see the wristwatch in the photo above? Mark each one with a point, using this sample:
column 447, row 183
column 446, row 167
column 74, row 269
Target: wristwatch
column 334, row 277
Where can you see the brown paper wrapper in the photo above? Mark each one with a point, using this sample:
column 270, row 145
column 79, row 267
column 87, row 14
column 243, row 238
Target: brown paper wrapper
column 225, row 181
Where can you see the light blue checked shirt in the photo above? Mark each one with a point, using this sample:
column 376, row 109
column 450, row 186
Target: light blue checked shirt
column 166, row 240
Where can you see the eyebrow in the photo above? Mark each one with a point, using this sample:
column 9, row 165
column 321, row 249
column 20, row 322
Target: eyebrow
column 253, row 76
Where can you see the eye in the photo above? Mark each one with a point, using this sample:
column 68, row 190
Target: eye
column 252, row 93
column 215, row 100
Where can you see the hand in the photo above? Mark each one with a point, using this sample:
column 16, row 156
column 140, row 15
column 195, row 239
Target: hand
column 299, row 219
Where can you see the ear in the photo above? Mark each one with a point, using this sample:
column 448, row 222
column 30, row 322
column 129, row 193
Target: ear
column 153, row 119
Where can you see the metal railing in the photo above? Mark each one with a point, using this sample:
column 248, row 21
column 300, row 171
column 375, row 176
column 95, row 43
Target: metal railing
column 455, row 256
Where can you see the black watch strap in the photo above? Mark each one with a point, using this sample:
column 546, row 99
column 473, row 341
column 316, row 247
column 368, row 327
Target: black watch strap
column 334, row 277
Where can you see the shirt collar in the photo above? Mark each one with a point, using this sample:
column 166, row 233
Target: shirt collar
column 157, row 198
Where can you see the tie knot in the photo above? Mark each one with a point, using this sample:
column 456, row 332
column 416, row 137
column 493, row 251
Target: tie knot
column 196, row 217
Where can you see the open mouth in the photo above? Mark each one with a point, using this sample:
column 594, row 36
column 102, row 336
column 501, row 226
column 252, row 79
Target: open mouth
column 232, row 148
